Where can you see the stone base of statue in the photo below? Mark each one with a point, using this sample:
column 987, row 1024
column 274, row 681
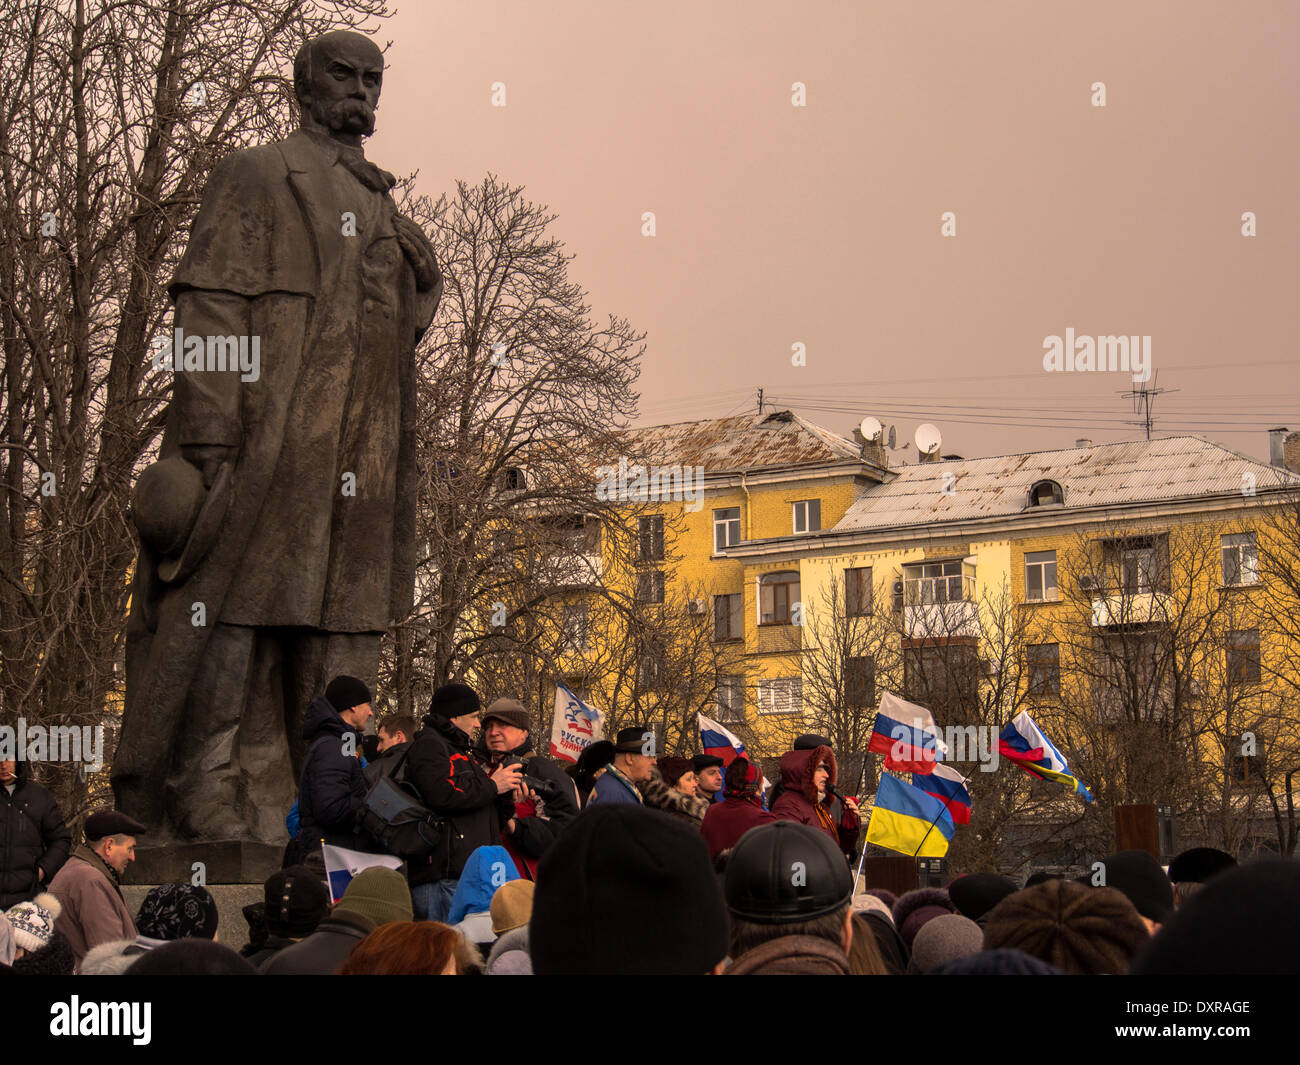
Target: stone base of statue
column 226, row 861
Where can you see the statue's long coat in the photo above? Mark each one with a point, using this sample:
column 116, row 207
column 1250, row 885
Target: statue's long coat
column 267, row 257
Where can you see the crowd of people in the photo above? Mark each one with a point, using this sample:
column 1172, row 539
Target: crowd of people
column 622, row 863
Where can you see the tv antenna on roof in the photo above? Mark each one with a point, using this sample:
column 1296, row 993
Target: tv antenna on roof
column 1144, row 397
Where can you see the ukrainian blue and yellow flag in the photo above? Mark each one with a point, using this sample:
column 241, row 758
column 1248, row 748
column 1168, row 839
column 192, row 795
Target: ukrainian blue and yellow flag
column 907, row 820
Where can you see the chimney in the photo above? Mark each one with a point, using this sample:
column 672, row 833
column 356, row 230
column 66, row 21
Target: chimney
column 1083, row 441
column 872, row 450
column 1277, row 447
column 1291, row 452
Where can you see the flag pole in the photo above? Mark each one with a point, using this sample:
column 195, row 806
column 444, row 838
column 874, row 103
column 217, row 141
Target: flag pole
column 857, row 792
column 946, row 803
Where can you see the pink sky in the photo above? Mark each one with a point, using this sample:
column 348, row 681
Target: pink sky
column 821, row 224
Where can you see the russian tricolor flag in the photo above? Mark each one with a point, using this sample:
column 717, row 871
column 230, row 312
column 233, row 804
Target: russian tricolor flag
column 906, row 735
column 719, row 742
column 949, row 787
column 1023, row 742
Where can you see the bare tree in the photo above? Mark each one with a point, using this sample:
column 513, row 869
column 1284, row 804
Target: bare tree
column 111, row 118
column 518, row 387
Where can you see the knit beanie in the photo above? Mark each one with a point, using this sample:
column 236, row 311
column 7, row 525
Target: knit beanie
column 296, row 901
column 380, row 894
column 1138, row 876
column 177, row 911
column 512, row 905
column 996, row 963
column 916, row 907
column 977, row 893
column 1072, row 927
column 1242, row 923
column 627, row 890
column 33, row 921
column 871, row 903
column 454, row 700
column 945, row 939
column 345, row 692
column 8, row 948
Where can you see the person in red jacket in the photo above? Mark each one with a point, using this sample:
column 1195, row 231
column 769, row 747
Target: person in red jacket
column 808, row 780
column 740, row 810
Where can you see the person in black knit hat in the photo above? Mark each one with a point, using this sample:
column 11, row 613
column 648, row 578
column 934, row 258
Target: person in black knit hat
column 627, row 890
column 332, row 788
column 452, row 784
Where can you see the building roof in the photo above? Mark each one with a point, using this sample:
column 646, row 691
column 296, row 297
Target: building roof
column 743, row 442
column 1140, row 471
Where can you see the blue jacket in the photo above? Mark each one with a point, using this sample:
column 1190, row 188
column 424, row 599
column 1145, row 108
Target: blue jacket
column 611, row 787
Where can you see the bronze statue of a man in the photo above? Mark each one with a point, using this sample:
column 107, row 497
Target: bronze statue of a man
column 277, row 528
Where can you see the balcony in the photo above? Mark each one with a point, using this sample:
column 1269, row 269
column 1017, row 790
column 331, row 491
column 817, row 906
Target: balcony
column 938, row 620
column 576, row 571
column 1131, row 608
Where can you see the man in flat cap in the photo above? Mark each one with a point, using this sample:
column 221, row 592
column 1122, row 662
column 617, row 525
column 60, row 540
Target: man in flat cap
column 546, row 802
column 277, row 529
column 89, row 884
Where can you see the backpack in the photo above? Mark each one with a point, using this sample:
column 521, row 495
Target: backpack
column 394, row 815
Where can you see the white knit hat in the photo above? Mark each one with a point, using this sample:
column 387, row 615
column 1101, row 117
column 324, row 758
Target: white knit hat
column 33, row 921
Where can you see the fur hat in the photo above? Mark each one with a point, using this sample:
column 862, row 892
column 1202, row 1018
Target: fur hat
column 1072, row 927
column 672, row 769
column 915, row 908
column 33, row 921
column 53, row 959
column 110, row 959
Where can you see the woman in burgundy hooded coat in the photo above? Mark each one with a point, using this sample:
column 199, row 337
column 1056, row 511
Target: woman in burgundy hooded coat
column 807, row 778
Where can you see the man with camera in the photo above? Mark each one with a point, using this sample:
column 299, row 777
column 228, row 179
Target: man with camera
column 546, row 801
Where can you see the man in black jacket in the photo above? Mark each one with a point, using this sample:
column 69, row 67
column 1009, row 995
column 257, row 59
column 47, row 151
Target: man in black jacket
column 454, row 786
column 545, row 804
column 333, row 789
column 34, row 841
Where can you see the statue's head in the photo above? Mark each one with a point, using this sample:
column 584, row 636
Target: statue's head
column 337, row 78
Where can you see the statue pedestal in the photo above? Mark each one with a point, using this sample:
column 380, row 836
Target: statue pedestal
column 224, row 861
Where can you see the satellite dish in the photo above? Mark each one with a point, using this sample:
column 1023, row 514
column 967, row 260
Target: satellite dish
column 927, row 439
column 870, row 428
column 893, row 437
